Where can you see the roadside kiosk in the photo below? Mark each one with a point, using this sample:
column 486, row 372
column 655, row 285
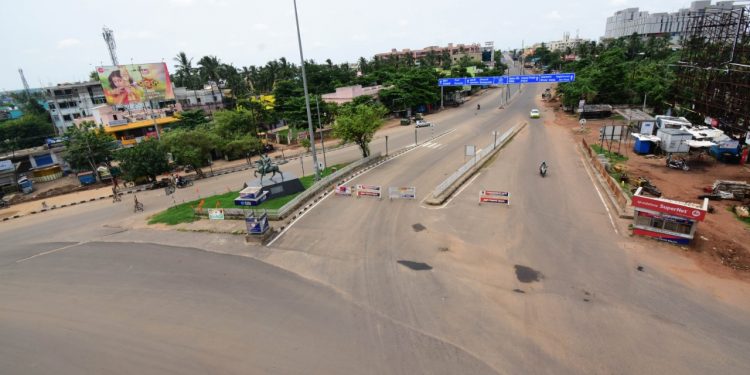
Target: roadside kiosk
column 667, row 220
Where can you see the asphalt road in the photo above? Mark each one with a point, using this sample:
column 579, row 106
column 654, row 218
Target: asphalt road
column 362, row 286
column 540, row 286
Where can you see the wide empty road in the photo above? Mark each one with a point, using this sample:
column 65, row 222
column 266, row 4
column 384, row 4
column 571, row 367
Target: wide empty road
column 362, row 286
column 540, row 286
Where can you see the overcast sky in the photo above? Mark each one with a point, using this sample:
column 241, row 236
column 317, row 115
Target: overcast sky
column 57, row 41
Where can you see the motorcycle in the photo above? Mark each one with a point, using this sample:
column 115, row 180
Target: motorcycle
column 478, row 107
column 543, row 169
column 183, row 183
column 647, row 186
column 677, row 163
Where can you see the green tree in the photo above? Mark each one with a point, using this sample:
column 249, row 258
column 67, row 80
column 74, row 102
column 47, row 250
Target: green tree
column 190, row 119
column 185, row 73
column 305, row 143
column 233, row 124
column 87, row 146
column 411, row 88
column 358, row 124
column 242, row 146
column 28, row 131
column 147, row 158
column 192, row 147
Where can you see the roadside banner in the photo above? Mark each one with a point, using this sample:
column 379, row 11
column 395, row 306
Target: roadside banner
column 343, row 190
column 216, row 214
column 492, row 196
column 369, row 191
column 408, row 192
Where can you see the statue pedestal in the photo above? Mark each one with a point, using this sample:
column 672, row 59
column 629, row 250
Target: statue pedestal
column 274, row 188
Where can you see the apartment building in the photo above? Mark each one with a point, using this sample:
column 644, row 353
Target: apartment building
column 632, row 20
column 71, row 101
column 474, row 51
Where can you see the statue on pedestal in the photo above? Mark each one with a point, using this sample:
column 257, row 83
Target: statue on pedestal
column 265, row 165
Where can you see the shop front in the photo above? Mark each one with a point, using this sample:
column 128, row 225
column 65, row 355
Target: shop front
column 667, row 220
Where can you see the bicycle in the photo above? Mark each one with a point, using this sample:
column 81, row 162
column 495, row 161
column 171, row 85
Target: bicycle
column 138, row 205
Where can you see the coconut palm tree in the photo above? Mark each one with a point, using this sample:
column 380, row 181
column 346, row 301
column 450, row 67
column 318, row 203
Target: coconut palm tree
column 209, row 68
column 184, row 71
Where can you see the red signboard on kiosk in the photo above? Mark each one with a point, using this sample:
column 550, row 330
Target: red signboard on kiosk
column 669, row 208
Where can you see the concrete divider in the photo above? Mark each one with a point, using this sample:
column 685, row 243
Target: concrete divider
column 443, row 191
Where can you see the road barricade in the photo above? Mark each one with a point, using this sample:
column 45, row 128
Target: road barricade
column 343, row 190
column 493, row 196
column 407, row 192
column 369, row 191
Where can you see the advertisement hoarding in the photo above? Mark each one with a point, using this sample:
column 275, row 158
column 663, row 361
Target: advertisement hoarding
column 133, row 84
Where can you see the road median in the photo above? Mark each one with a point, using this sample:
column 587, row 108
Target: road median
column 449, row 186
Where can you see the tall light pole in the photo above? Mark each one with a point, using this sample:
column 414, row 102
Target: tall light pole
column 307, row 97
column 322, row 141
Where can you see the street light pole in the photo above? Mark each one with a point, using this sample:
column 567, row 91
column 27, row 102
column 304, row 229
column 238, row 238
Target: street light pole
column 322, row 143
column 307, row 96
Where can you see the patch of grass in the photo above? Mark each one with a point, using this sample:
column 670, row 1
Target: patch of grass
column 183, row 213
column 616, row 117
column 745, row 220
column 613, row 157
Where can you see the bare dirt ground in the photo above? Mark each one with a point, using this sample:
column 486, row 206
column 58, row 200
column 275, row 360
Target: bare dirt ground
column 722, row 242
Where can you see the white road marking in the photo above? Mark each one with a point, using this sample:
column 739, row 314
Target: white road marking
column 50, row 252
column 601, row 197
column 452, row 196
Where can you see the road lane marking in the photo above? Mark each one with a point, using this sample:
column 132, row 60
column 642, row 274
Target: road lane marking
column 50, row 252
column 601, row 197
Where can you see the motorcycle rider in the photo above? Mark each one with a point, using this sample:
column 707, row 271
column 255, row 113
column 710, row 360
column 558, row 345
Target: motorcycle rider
column 478, row 107
column 543, row 168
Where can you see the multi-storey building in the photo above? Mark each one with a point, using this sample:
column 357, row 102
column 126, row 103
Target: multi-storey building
column 209, row 98
column 632, row 20
column 566, row 43
column 455, row 52
column 71, row 101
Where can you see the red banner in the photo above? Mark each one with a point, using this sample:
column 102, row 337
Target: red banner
column 669, row 208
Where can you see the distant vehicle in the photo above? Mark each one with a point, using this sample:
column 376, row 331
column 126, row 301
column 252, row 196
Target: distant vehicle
column 422, row 124
column 534, row 113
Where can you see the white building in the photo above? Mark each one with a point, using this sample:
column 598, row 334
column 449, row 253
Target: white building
column 628, row 21
column 71, row 101
column 209, row 98
column 348, row 93
column 565, row 43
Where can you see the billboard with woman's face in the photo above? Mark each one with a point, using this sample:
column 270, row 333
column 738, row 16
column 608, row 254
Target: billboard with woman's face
column 137, row 83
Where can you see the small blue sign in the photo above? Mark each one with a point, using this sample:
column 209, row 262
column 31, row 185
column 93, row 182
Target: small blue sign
column 505, row 80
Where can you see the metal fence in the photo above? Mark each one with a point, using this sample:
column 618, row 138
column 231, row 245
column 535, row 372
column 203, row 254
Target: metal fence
column 474, row 161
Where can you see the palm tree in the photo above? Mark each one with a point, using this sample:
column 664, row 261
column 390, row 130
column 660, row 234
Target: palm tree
column 210, row 70
column 248, row 74
column 184, row 68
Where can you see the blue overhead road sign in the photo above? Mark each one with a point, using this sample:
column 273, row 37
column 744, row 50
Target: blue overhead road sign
column 504, row 80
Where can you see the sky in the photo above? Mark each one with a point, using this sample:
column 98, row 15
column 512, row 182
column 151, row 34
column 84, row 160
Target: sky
column 57, row 41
